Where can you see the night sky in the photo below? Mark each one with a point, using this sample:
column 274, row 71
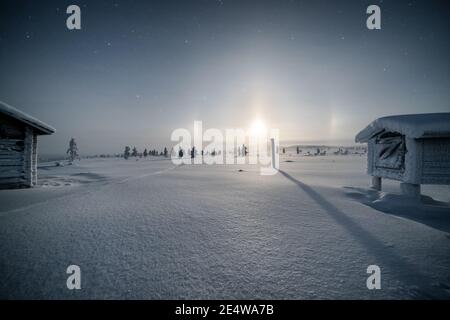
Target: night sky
column 139, row 69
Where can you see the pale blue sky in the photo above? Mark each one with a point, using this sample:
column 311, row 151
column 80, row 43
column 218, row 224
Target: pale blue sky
column 139, row 69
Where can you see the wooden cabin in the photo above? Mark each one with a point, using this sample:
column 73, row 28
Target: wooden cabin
column 18, row 147
column 413, row 149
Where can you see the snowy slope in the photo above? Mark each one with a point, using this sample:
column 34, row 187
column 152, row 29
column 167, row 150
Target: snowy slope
column 149, row 230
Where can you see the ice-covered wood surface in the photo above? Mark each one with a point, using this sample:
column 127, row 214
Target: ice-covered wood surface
column 41, row 127
column 18, row 154
column 413, row 126
column 18, row 147
column 436, row 161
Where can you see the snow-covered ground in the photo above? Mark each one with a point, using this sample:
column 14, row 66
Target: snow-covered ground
column 148, row 230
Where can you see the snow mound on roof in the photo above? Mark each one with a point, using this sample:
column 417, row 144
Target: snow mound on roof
column 25, row 118
column 414, row 126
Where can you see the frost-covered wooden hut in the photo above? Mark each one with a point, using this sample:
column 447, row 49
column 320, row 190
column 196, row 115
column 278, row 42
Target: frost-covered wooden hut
column 18, row 147
column 414, row 149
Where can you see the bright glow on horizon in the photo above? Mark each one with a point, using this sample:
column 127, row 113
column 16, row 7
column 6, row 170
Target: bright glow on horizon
column 258, row 128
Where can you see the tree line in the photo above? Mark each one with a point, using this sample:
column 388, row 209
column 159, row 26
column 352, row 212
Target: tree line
column 128, row 152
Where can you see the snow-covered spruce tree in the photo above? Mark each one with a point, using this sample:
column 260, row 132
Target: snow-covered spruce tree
column 244, row 150
column 73, row 150
column 126, row 153
column 135, row 152
column 145, row 153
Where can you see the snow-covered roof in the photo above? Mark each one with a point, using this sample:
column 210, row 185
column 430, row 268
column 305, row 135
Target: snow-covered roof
column 415, row 126
column 42, row 128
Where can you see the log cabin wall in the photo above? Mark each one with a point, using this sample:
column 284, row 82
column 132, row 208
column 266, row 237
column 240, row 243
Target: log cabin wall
column 16, row 154
column 436, row 161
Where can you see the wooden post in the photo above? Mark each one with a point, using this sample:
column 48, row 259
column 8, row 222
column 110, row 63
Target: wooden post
column 28, row 157
column 410, row 190
column 273, row 152
column 35, row 159
column 376, row 183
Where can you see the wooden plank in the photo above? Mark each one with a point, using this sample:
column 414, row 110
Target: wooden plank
column 13, row 180
column 14, row 166
column 15, row 158
column 7, row 169
column 12, row 183
column 7, row 152
column 10, row 140
column 14, row 147
column 6, row 183
column 5, row 164
column 12, row 174
column 11, row 151
column 11, row 161
column 436, row 180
